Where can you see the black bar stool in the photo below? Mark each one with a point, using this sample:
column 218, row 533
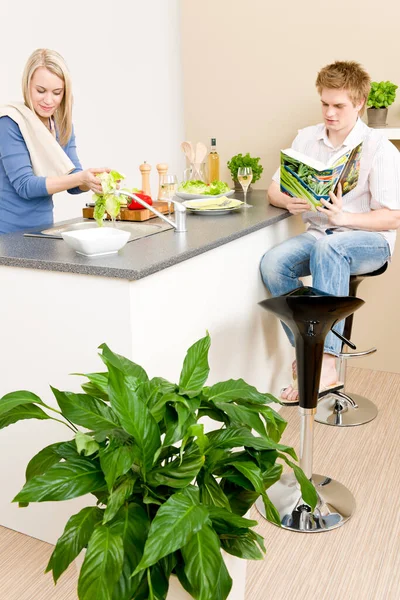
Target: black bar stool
column 310, row 314
column 341, row 408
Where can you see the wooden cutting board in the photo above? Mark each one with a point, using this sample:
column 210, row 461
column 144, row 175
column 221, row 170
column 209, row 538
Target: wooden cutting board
column 142, row 214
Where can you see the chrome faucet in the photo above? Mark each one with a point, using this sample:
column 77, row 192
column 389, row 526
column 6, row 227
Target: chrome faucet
column 180, row 211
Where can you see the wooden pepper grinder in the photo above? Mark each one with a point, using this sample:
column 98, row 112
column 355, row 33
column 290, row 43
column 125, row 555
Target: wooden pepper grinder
column 162, row 169
column 145, row 171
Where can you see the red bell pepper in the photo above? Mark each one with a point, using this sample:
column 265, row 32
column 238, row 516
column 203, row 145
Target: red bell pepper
column 135, row 205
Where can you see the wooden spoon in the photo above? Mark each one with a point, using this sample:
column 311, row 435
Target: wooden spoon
column 201, row 153
column 188, row 150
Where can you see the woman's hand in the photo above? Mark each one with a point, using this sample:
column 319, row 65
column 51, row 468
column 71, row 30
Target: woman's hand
column 334, row 209
column 296, row 206
column 89, row 180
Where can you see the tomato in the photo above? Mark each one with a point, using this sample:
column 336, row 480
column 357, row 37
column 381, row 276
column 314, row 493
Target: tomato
column 135, row 205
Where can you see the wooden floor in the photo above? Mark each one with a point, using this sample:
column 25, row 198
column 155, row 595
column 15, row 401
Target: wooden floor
column 23, row 561
column 359, row 561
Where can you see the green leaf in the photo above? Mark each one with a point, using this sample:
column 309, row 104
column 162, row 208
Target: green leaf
column 76, row 536
column 123, row 364
column 235, row 437
column 19, row 413
column 178, row 420
column 63, row 481
column 243, row 546
column 201, row 439
column 271, row 512
column 102, row 566
column 132, row 523
column 115, row 462
column 231, row 474
column 236, row 389
column 85, row 444
column 272, row 475
column 135, row 417
column 67, row 450
column 251, row 472
column 85, row 411
column 118, row 496
column 243, row 416
column 174, row 524
column 14, row 399
column 240, row 500
column 42, row 461
column 155, row 393
column 308, row 491
column 225, row 521
column 97, row 386
column 177, row 474
column 203, row 564
column 195, row 368
column 210, row 492
column 276, row 424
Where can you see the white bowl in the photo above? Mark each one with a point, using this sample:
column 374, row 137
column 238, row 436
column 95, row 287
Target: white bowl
column 96, row 242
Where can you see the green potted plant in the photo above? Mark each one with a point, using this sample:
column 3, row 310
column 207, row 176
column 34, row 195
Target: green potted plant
column 168, row 496
column 381, row 95
column 244, row 161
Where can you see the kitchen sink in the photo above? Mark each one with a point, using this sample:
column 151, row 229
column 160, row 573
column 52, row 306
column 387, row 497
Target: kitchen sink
column 136, row 229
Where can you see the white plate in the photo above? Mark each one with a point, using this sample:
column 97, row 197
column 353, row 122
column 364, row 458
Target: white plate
column 186, row 196
column 210, row 211
column 96, row 242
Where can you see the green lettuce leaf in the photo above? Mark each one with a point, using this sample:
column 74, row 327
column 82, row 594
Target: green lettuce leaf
column 199, row 187
column 107, row 201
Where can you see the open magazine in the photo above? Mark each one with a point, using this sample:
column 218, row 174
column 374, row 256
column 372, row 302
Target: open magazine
column 305, row 177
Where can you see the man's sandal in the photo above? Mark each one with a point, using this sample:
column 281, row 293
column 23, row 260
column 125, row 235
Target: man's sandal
column 323, row 391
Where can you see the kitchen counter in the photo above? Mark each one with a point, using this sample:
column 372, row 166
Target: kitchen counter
column 150, row 302
column 148, row 255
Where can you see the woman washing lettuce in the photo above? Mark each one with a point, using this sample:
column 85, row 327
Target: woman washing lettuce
column 38, row 155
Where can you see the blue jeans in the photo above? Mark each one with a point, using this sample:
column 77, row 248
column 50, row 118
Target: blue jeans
column 329, row 260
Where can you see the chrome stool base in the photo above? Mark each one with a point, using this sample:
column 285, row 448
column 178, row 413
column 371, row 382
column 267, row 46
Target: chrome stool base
column 341, row 410
column 335, row 506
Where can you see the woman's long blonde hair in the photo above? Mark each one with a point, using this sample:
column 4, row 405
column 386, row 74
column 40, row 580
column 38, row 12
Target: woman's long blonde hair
column 55, row 63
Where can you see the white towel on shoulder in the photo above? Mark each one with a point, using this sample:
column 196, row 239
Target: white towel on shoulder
column 47, row 157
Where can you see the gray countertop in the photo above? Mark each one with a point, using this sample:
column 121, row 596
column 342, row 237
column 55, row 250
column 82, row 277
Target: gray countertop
column 147, row 255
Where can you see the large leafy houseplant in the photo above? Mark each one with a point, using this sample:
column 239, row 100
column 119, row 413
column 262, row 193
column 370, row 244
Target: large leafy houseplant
column 169, row 495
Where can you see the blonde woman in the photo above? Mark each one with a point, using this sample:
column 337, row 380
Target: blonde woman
column 38, row 155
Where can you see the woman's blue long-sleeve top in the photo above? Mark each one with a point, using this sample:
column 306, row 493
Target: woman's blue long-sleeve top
column 24, row 201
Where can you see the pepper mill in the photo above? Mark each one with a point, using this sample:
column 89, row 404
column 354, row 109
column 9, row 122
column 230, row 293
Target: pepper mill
column 145, row 171
column 162, row 169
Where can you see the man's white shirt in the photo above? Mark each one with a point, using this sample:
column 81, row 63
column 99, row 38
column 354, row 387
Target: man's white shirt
column 379, row 179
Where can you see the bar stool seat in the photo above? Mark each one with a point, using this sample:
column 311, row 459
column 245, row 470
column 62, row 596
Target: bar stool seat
column 342, row 408
column 310, row 314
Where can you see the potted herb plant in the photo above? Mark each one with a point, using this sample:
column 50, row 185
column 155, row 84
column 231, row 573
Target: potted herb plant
column 244, row 161
column 381, row 96
column 169, row 496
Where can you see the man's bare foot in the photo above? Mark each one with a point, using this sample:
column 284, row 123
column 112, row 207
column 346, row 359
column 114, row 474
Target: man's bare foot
column 328, row 377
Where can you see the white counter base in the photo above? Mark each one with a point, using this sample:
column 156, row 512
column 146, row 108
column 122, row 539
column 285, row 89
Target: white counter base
column 52, row 324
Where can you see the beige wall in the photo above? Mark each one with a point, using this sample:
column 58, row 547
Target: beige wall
column 249, row 72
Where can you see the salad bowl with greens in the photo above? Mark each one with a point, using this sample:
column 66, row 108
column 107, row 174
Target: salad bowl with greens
column 189, row 190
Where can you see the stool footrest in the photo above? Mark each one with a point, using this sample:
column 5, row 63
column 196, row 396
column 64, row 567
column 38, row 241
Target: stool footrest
column 342, row 397
column 357, row 354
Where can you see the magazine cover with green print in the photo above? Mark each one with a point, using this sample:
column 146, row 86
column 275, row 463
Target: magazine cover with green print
column 305, row 177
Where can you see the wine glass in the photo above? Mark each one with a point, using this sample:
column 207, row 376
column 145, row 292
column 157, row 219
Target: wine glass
column 169, row 185
column 245, row 176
